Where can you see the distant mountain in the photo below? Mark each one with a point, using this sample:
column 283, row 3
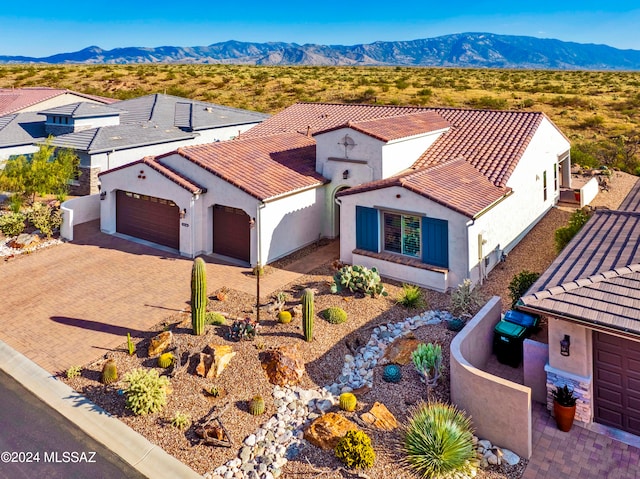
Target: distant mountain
column 475, row 50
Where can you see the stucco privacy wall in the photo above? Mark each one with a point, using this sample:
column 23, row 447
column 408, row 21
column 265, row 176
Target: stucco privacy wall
column 78, row 211
column 500, row 410
column 5, row 153
column 409, row 202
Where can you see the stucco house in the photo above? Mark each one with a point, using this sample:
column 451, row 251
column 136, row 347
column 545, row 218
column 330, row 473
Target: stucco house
column 428, row 195
column 108, row 136
column 590, row 296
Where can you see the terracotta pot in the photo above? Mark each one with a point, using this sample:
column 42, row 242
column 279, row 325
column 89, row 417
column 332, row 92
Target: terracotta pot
column 564, row 416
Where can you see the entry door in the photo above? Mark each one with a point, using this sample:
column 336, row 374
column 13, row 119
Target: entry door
column 231, row 232
column 616, row 365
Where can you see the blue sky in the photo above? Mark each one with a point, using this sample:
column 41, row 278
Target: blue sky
column 39, row 28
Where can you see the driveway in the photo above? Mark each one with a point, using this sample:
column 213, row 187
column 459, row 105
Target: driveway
column 72, row 303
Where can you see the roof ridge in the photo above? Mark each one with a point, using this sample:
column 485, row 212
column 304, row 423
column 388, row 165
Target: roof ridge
column 582, row 282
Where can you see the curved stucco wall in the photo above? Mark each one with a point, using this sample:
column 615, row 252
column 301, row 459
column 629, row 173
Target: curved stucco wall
column 500, row 409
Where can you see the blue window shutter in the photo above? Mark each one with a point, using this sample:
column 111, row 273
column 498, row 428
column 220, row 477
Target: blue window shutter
column 435, row 242
column 367, row 228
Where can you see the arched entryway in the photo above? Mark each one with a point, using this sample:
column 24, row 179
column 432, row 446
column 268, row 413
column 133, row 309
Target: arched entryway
column 336, row 211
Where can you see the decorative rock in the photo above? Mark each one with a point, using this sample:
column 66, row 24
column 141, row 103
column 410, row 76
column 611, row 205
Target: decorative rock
column 380, row 417
column 160, row 343
column 213, row 363
column 283, row 365
column 204, row 365
column 250, row 440
column 326, row 431
column 484, row 444
column 400, row 350
column 24, row 240
column 510, row 457
column 492, row 459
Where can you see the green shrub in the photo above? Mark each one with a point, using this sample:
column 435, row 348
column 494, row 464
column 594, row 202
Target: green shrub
column 519, row 285
column 181, row 420
column 45, row 218
column 438, row 442
column 335, row 315
column 465, row 301
column 565, row 234
column 411, row 297
column 355, row 451
column 358, row 279
column 146, row 392
column 211, row 317
column 15, row 202
column 427, row 359
column 12, row 224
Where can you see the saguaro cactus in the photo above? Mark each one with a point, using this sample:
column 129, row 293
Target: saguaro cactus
column 198, row 296
column 307, row 314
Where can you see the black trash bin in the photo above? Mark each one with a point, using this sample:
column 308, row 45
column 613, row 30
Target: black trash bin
column 507, row 342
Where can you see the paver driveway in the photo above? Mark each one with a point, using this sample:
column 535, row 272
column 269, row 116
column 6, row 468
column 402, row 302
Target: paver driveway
column 70, row 304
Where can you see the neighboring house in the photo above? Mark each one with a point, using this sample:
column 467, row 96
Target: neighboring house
column 108, row 136
column 19, row 100
column 430, row 196
column 590, row 297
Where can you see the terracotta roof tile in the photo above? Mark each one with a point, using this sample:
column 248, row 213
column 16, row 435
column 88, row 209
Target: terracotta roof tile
column 397, row 127
column 264, row 167
column 165, row 171
column 16, row 99
column 456, row 185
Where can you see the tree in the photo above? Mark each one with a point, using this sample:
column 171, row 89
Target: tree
column 49, row 170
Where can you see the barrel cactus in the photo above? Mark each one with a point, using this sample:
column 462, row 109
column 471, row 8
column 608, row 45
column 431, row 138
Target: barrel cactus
column 256, row 406
column 284, row 317
column 348, row 402
column 165, row 360
column 109, row 372
column 392, row 373
column 198, row 296
column 307, row 314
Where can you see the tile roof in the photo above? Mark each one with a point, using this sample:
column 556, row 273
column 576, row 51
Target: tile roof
column 455, row 184
column 264, row 167
column 116, row 137
column 21, row 129
column 165, row 171
column 83, row 110
column 596, row 278
column 492, row 141
column 395, row 128
column 15, row 99
column 632, row 200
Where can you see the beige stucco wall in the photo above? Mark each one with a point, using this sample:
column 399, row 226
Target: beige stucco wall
column 500, row 409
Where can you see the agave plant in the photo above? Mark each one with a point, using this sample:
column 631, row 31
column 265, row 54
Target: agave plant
column 437, row 442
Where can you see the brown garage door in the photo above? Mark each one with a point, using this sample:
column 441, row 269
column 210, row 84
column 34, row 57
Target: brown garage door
column 149, row 218
column 616, row 382
column 231, row 235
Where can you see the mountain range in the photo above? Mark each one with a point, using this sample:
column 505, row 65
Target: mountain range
column 473, row 50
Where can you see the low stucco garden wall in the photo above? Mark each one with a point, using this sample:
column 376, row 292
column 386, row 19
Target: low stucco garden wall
column 500, row 409
column 78, row 211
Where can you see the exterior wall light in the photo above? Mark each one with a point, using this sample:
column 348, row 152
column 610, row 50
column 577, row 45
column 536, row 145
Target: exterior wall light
column 103, row 195
column 565, row 344
column 183, row 213
column 345, row 174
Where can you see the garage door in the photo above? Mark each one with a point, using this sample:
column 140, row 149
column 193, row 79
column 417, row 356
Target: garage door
column 617, row 382
column 149, row 218
column 231, row 232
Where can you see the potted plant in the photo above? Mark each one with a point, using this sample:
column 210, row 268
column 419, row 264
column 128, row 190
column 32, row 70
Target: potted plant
column 564, row 407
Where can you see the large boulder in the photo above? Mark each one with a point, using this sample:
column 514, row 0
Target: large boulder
column 215, row 360
column 380, row 417
column 283, row 365
column 327, row 430
column 160, row 343
column 399, row 351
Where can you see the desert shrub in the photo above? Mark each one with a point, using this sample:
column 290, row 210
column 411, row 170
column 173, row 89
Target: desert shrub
column 146, row 392
column 335, row 315
column 464, row 300
column 358, row 279
column 181, row 420
column 211, row 317
column 564, row 234
column 355, row 450
column 437, row 441
column 411, row 297
column 12, row 224
column 45, row 217
column 519, row 285
column 488, row 103
column 15, row 203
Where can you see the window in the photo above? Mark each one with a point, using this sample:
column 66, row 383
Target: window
column 402, row 234
column 544, row 185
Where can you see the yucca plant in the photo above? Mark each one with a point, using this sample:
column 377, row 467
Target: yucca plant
column 437, row 441
column 411, row 297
